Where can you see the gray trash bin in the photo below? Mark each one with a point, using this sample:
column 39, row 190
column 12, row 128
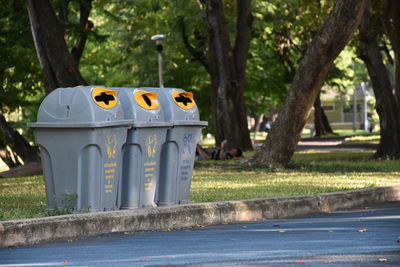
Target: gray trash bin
column 80, row 132
column 178, row 152
column 141, row 153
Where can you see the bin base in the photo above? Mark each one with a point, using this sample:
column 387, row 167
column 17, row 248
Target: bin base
column 129, row 208
column 137, row 207
column 165, row 203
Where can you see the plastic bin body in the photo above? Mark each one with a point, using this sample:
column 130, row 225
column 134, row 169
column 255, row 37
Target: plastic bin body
column 179, row 151
column 141, row 153
column 81, row 142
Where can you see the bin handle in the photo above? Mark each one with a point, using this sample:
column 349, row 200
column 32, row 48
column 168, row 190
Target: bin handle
column 183, row 99
column 104, row 98
column 146, row 100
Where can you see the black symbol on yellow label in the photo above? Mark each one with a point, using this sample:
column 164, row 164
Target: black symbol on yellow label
column 183, row 99
column 104, row 98
column 147, row 100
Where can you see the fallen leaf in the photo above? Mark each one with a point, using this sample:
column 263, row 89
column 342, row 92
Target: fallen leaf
column 282, row 231
column 331, row 231
column 362, row 230
column 167, row 229
column 299, row 261
column 382, row 260
column 128, row 233
column 66, row 262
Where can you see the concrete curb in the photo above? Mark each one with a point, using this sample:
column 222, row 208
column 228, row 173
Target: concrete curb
column 77, row 226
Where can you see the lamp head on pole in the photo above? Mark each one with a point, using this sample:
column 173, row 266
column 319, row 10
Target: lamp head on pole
column 158, row 39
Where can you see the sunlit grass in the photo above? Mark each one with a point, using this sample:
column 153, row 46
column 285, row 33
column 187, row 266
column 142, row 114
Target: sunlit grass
column 311, row 173
column 363, row 139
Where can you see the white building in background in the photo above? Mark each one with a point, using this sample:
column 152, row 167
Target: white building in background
column 352, row 112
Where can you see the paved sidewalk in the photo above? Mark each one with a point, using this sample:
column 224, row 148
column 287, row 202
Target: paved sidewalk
column 334, row 144
column 79, row 226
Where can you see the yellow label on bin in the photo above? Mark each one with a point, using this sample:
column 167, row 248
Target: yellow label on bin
column 147, row 100
column 104, row 98
column 183, row 99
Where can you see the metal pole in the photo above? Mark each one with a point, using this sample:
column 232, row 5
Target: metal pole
column 159, row 47
column 363, row 88
column 354, row 109
column 160, row 70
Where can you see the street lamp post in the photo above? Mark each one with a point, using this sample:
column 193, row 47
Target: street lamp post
column 365, row 116
column 159, row 47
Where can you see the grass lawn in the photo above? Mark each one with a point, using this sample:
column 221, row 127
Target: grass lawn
column 312, row 173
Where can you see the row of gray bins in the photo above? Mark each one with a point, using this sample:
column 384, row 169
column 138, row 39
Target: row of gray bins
column 117, row 148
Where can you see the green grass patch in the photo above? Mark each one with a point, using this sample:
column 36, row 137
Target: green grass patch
column 22, row 197
column 311, row 173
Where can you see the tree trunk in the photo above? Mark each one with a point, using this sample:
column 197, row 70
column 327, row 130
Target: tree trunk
column 59, row 67
column 281, row 143
column 321, row 123
column 386, row 104
column 392, row 22
column 17, row 143
column 227, row 69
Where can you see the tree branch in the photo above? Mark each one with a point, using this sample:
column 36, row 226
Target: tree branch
column 86, row 25
column 197, row 54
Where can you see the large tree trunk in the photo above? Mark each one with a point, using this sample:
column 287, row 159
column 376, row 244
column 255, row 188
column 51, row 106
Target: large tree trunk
column 392, row 22
column 281, row 143
column 59, row 66
column 227, row 69
column 386, row 104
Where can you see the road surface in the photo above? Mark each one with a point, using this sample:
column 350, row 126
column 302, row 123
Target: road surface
column 363, row 237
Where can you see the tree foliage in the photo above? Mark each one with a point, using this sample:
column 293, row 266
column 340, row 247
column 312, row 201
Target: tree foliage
column 109, row 44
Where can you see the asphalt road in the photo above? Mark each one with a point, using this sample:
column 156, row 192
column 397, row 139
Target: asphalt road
column 364, row 237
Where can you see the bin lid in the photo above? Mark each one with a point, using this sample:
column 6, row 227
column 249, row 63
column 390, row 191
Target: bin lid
column 81, row 106
column 142, row 107
column 179, row 106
